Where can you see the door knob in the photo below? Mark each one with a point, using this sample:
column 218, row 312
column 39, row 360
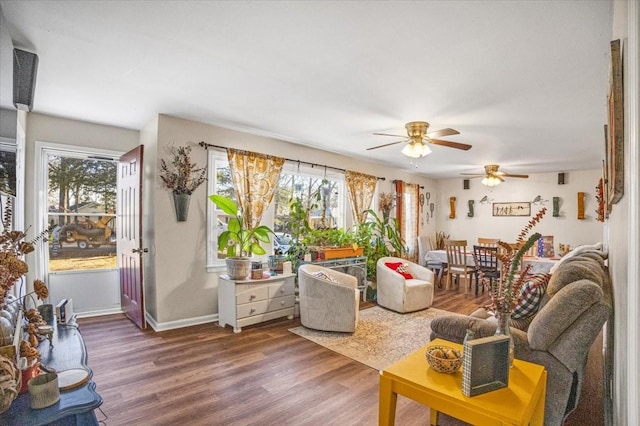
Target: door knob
column 140, row 250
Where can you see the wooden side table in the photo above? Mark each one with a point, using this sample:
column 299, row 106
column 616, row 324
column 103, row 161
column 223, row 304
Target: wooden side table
column 521, row 403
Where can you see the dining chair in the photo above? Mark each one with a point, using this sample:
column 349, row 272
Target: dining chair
column 436, row 266
column 486, row 260
column 457, row 263
column 488, row 242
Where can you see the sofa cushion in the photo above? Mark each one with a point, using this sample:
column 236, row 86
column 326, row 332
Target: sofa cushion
column 575, row 269
column 400, row 268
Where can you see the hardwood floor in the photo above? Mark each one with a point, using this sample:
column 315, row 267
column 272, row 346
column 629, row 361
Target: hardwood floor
column 266, row 375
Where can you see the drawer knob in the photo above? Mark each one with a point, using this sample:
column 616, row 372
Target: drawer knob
column 282, row 290
column 252, row 310
column 282, row 302
column 253, row 296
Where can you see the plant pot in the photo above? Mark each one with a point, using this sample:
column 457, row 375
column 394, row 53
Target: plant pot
column 181, row 204
column 238, row 268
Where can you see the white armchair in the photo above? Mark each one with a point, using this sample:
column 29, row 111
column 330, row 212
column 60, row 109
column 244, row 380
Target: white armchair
column 328, row 304
column 404, row 294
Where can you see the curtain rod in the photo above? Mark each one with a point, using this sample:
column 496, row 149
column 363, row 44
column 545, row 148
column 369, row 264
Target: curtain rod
column 206, row 145
column 395, row 180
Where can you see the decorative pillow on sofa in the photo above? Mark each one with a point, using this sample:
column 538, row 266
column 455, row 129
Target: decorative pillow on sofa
column 324, row 276
column 400, row 268
column 529, row 300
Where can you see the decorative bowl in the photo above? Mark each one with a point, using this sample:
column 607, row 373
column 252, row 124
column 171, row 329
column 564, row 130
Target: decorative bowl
column 444, row 359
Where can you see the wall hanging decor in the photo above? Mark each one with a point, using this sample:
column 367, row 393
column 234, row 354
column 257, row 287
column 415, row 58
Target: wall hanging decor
column 452, row 207
column 580, row 205
column 182, row 177
column 512, row 209
column 556, row 206
column 470, row 213
column 600, row 199
column 615, row 137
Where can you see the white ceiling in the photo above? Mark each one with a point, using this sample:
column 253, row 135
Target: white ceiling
column 524, row 82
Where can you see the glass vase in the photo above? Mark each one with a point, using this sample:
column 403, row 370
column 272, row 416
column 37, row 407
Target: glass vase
column 504, row 322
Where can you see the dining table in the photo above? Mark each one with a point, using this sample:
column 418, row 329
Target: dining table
column 539, row 265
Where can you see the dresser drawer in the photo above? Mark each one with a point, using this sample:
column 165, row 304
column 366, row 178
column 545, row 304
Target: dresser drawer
column 278, row 303
column 254, row 308
column 281, row 288
column 251, row 293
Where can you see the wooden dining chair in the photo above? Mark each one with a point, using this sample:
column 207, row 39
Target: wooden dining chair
column 457, row 263
column 486, row 260
column 488, row 242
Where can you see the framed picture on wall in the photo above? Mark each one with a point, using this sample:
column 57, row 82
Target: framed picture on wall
column 512, row 209
column 615, row 135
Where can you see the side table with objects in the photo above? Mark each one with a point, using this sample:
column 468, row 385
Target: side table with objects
column 66, row 355
column 520, row 403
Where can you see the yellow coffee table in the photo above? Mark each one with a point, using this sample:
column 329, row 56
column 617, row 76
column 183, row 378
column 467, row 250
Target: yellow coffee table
column 521, row 403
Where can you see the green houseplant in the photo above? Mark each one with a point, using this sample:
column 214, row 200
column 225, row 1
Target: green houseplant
column 239, row 241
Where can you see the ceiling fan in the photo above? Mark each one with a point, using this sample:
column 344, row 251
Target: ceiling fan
column 417, row 139
column 492, row 176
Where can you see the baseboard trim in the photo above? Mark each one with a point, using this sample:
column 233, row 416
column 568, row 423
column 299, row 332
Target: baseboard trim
column 171, row 325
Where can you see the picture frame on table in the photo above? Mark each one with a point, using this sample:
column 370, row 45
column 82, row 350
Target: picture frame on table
column 512, row 209
column 614, row 141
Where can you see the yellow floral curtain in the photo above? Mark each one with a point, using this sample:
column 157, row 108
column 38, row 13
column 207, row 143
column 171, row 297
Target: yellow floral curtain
column 360, row 188
column 408, row 214
column 255, row 177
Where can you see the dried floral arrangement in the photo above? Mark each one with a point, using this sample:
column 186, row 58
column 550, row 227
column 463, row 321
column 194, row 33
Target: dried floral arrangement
column 600, row 199
column 386, row 201
column 12, row 268
column 437, row 241
column 506, row 291
column 180, row 174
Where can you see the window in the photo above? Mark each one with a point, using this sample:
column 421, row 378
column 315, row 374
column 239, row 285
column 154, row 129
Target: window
column 81, row 210
column 321, row 191
column 219, row 182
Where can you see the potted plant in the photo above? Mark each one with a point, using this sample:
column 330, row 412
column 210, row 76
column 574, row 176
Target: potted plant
column 239, row 240
column 182, row 177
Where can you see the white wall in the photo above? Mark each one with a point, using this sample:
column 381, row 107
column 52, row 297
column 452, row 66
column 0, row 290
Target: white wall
column 566, row 228
column 623, row 228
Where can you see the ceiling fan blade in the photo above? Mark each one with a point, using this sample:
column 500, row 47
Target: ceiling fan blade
column 387, row 134
column 472, row 174
column 450, row 144
column 442, row 132
column 513, row 176
column 386, row 144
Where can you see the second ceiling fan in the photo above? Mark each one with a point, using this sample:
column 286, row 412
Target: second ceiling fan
column 492, row 176
column 417, row 139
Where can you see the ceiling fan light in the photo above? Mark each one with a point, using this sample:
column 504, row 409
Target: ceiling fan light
column 416, row 150
column 491, row 181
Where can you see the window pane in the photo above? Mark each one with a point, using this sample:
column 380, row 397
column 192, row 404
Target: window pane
column 81, row 195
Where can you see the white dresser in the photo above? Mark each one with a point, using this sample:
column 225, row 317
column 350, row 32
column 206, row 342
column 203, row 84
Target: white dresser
column 247, row 302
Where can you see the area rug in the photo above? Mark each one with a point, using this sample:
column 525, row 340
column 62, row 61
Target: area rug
column 381, row 338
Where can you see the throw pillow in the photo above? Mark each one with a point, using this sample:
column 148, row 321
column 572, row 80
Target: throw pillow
column 324, row 276
column 401, row 268
column 529, row 300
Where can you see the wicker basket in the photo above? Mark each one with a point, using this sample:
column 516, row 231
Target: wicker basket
column 443, row 364
column 10, row 382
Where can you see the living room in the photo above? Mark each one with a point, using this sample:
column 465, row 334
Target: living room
column 181, row 284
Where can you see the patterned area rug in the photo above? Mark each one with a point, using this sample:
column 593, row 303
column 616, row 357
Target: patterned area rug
column 381, row 338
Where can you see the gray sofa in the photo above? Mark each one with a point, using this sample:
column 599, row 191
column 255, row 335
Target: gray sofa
column 572, row 313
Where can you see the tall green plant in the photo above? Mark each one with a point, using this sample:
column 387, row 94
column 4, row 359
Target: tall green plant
column 244, row 240
column 379, row 238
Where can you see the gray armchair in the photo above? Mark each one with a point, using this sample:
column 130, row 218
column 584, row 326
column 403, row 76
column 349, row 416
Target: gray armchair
column 400, row 294
column 573, row 311
column 329, row 300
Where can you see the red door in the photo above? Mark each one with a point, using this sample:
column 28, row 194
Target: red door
column 129, row 234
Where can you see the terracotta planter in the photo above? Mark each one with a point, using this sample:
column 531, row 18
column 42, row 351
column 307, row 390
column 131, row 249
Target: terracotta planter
column 327, row 253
